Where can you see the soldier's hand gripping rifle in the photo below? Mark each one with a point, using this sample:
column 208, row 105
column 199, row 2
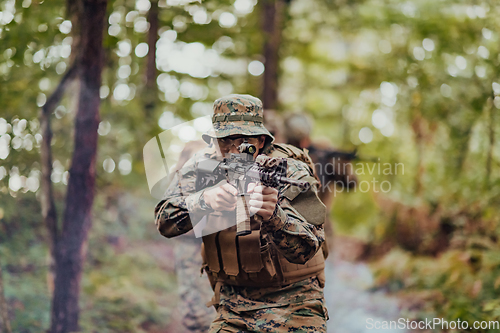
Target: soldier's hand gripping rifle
column 240, row 170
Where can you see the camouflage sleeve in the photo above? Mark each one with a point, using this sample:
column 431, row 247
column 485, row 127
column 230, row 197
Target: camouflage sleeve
column 297, row 239
column 181, row 202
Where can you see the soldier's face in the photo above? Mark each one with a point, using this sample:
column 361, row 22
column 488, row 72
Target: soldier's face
column 231, row 143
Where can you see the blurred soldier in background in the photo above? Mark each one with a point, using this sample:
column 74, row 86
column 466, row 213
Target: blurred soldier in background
column 274, row 123
column 194, row 289
column 298, row 128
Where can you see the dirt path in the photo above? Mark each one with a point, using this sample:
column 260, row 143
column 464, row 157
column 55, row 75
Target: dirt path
column 351, row 304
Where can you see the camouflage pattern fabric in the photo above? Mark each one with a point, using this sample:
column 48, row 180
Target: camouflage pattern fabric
column 237, row 115
column 194, row 289
column 304, row 313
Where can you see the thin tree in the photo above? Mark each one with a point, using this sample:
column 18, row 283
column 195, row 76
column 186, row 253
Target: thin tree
column 150, row 90
column 49, row 211
column 71, row 241
column 272, row 25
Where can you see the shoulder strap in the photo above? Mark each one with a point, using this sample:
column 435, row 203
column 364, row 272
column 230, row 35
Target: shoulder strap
column 290, row 151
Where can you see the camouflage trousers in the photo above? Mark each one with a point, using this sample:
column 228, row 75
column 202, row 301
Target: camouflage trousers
column 304, row 317
column 194, row 290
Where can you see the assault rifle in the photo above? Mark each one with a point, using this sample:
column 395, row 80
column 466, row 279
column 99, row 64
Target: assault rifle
column 240, row 170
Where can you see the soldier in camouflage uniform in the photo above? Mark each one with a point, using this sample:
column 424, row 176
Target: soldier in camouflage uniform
column 272, row 279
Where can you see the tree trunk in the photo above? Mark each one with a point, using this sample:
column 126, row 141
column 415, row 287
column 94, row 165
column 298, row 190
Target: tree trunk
column 71, row 246
column 49, row 212
column 150, row 91
column 272, row 24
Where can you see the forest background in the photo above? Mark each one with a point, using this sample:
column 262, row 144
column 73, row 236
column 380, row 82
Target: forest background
column 412, row 82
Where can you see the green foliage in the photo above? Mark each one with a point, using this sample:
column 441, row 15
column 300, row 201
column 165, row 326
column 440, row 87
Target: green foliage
column 457, row 285
column 428, row 69
column 355, row 212
column 126, row 292
column 26, row 292
column 123, row 277
column 423, row 77
column 23, row 256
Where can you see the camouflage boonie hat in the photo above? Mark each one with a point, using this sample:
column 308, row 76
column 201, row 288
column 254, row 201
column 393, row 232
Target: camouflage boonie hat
column 237, row 115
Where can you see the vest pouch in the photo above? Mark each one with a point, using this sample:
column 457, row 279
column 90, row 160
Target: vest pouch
column 204, row 267
column 256, row 260
column 229, row 256
column 265, row 253
column 209, row 253
column 249, row 252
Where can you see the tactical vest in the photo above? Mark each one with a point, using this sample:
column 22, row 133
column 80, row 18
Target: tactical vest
column 253, row 260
